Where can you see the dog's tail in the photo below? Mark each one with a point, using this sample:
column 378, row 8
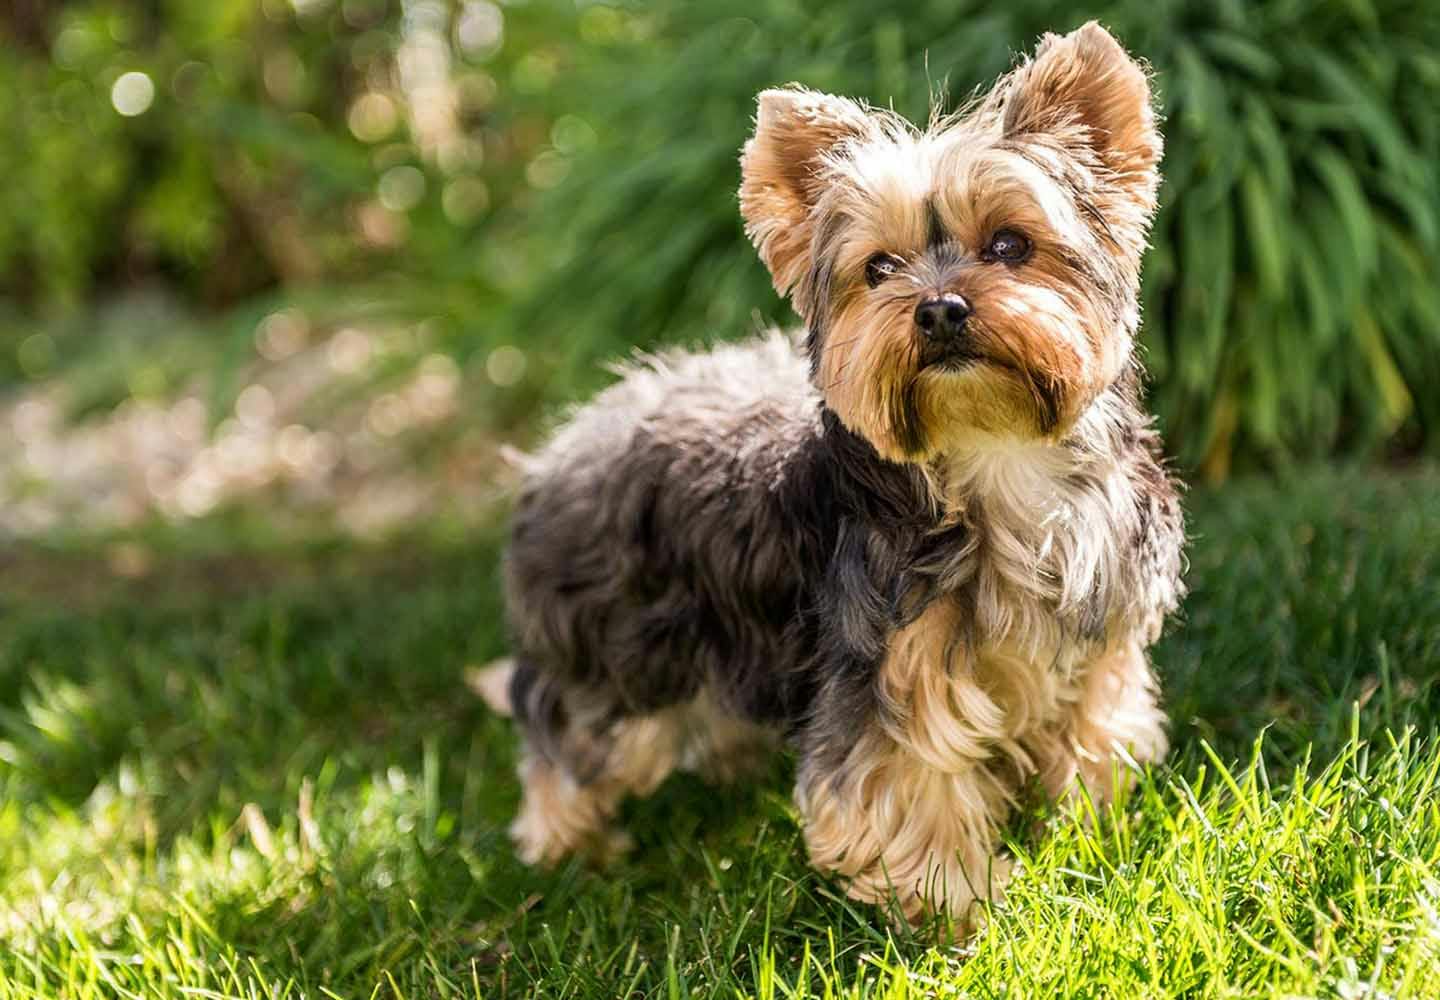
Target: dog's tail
column 492, row 683
column 521, row 461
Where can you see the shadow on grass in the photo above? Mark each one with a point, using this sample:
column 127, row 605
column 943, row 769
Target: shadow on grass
column 225, row 675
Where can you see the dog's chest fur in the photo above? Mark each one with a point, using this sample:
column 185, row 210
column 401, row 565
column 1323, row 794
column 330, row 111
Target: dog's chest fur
column 1046, row 532
column 1024, row 602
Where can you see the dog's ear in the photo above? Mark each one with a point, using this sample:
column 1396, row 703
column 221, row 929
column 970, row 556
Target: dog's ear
column 782, row 173
column 1087, row 92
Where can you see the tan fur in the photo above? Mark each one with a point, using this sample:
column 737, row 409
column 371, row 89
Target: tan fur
column 1038, row 326
column 888, row 824
column 1116, row 711
column 943, row 705
column 1040, row 567
column 978, row 701
column 874, row 355
column 794, row 130
column 492, row 683
column 1033, row 331
column 917, row 807
column 1086, row 79
column 559, row 816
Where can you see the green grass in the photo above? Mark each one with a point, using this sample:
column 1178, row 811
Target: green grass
column 259, row 775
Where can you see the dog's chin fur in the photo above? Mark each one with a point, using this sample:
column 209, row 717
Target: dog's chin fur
column 936, row 583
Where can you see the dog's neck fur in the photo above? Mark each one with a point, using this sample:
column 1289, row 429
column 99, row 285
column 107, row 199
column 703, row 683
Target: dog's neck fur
column 1033, row 535
column 1051, row 523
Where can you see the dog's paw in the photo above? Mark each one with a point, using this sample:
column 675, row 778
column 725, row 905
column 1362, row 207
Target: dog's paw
column 541, row 847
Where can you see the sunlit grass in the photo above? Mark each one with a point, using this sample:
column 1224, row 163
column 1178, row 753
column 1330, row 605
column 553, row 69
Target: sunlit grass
column 261, row 776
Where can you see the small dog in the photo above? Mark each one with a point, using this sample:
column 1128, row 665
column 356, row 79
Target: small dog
column 927, row 547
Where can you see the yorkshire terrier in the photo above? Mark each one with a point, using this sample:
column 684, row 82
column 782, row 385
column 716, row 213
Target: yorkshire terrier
column 926, row 545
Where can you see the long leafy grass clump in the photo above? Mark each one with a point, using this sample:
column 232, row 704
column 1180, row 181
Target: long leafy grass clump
column 1292, row 296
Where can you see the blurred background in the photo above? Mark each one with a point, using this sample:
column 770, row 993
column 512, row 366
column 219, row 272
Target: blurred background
column 310, row 263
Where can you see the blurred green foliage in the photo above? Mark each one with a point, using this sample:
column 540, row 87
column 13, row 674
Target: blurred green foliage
column 559, row 177
column 227, row 147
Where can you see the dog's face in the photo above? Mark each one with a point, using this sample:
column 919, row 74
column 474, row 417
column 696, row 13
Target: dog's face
column 978, row 276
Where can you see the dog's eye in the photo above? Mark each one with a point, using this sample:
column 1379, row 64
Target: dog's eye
column 1009, row 246
column 880, row 267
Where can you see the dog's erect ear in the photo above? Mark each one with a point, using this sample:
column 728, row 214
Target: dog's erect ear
column 781, row 173
column 1086, row 79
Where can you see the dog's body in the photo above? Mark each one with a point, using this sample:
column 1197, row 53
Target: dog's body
column 928, row 547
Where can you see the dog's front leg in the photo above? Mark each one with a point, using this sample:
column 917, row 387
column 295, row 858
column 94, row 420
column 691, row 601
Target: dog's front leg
column 901, row 832
column 1116, row 720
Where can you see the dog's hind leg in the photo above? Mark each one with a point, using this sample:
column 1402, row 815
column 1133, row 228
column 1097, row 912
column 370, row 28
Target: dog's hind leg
column 575, row 771
column 562, row 814
column 720, row 745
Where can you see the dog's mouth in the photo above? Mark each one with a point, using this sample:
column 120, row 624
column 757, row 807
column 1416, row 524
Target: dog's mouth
column 955, row 356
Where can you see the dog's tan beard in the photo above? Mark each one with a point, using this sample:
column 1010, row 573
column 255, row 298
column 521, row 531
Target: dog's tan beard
column 868, row 368
column 873, row 382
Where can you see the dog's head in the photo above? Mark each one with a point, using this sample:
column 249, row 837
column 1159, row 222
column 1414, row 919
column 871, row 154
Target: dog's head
column 980, row 275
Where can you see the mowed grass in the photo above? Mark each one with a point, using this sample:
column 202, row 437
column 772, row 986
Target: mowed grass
column 261, row 775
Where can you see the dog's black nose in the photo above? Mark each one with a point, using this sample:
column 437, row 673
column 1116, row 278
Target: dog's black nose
column 942, row 318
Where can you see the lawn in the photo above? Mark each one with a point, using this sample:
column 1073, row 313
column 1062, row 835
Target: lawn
column 253, row 769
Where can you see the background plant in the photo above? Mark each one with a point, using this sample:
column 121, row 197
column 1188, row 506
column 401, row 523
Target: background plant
column 224, row 147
